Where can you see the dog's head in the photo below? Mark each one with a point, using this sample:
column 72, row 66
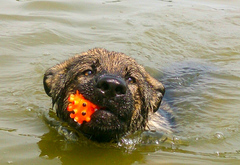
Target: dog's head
column 122, row 88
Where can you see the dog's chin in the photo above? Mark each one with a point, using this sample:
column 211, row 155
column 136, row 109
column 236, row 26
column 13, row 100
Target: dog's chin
column 103, row 127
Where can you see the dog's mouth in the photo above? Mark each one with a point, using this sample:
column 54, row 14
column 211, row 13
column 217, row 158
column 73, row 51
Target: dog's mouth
column 102, row 113
column 106, row 120
column 103, row 117
column 103, row 126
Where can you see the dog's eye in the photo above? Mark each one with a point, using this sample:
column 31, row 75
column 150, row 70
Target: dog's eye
column 88, row 72
column 131, row 80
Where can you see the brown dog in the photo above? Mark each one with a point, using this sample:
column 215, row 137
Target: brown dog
column 126, row 93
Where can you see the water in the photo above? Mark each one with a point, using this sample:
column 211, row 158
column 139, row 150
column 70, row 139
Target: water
column 191, row 46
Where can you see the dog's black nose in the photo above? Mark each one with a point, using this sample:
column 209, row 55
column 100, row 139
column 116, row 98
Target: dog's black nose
column 111, row 86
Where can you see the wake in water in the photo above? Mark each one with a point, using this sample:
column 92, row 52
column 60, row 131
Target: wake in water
column 129, row 141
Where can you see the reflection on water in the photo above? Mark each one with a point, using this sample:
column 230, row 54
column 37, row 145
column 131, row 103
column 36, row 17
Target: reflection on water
column 73, row 153
column 70, row 146
column 191, row 46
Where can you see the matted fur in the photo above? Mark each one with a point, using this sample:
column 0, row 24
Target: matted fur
column 125, row 113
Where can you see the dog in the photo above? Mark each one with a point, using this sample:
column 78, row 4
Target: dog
column 127, row 94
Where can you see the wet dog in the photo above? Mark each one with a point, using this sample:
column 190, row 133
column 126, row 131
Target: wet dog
column 127, row 94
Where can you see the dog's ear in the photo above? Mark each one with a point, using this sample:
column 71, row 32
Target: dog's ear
column 47, row 80
column 153, row 92
column 54, row 79
column 158, row 91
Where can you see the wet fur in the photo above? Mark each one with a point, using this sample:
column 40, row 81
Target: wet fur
column 129, row 112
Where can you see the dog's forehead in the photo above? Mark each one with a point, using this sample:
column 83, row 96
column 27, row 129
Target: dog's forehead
column 112, row 61
column 116, row 62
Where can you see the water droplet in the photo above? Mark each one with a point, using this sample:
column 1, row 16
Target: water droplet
column 29, row 109
column 219, row 135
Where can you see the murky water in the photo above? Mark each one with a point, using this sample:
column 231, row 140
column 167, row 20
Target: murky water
column 193, row 47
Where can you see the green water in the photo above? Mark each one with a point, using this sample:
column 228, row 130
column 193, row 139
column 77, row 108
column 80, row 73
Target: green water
column 193, row 47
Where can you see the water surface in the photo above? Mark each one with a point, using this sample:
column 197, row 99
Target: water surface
column 191, row 46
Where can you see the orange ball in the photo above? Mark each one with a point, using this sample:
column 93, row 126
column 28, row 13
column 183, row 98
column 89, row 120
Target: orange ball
column 81, row 108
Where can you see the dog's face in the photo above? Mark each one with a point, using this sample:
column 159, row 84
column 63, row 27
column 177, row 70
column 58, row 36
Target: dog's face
column 125, row 92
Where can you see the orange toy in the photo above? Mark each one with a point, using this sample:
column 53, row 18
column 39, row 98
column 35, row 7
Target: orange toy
column 82, row 109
